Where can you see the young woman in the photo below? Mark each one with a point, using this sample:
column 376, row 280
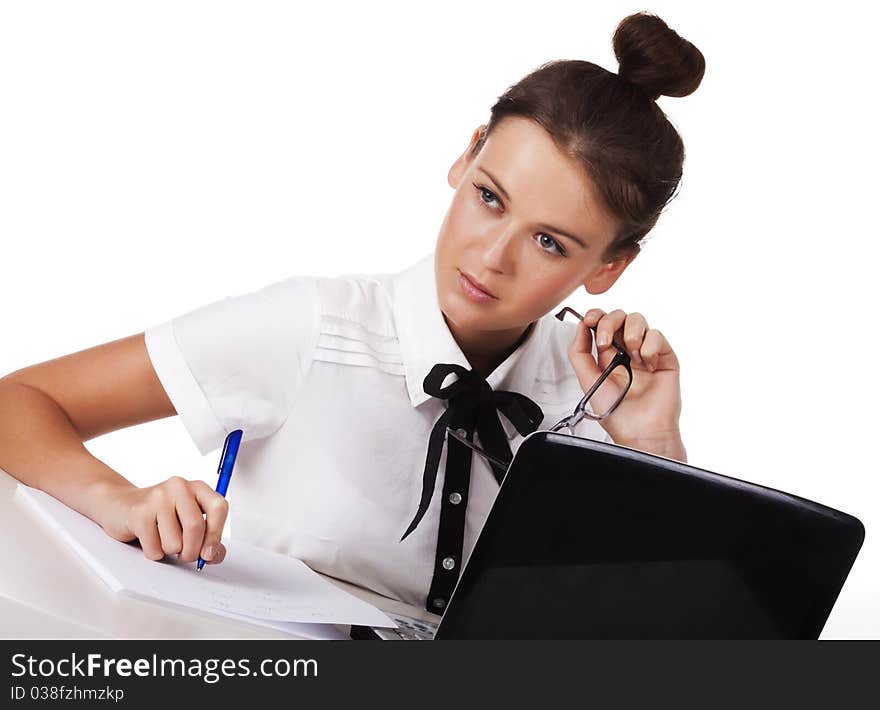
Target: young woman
column 344, row 387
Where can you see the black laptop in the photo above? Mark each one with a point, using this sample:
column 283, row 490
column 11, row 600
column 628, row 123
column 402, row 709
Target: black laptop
column 589, row 540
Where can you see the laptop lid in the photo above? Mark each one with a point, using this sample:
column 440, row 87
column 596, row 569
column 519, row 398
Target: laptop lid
column 592, row 540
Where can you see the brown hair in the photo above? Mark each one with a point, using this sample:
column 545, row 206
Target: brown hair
column 610, row 122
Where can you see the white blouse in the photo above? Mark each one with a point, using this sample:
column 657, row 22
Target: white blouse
column 325, row 378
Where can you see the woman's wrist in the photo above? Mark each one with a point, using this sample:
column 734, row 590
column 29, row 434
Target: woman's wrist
column 668, row 445
column 103, row 494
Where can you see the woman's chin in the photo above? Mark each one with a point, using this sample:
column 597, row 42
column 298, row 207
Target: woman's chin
column 457, row 314
column 468, row 317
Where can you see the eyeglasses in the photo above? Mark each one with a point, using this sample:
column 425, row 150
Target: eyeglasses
column 598, row 403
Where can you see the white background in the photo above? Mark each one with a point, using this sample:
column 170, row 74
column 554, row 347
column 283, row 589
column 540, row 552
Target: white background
column 155, row 157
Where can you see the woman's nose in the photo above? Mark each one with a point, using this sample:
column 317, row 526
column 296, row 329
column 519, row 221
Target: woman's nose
column 500, row 251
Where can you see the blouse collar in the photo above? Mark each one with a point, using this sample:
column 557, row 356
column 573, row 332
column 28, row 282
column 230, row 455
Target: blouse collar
column 425, row 338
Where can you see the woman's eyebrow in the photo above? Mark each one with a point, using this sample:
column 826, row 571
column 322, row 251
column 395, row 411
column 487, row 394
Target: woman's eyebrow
column 547, row 227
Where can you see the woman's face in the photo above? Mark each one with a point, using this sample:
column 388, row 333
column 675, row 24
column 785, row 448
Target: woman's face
column 527, row 224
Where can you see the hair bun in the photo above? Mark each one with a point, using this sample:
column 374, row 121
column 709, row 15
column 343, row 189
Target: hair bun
column 655, row 58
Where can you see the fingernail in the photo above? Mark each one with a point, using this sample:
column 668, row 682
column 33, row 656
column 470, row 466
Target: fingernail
column 603, row 338
column 208, row 552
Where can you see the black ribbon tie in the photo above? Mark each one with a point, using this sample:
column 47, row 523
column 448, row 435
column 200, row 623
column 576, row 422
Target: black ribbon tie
column 471, row 404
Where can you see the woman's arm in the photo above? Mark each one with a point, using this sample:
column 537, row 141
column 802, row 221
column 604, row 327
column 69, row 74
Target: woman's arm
column 48, row 410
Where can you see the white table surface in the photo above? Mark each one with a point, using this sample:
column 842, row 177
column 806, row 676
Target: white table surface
column 47, row 592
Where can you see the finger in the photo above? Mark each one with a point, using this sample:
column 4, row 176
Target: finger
column 169, row 528
column 634, row 328
column 216, row 509
column 592, row 316
column 580, row 354
column 144, row 526
column 193, row 524
column 657, row 352
column 609, row 325
column 583, row 339
column 591, row 319
column 219, row 554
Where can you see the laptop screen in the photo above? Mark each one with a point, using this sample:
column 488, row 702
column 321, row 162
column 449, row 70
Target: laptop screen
column 591, row 540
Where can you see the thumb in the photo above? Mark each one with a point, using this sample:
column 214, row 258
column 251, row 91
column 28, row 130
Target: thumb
column 580, row 354
column 216, row 508
column 219, row 554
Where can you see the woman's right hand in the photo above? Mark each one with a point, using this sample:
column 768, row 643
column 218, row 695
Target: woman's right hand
column 167, row 519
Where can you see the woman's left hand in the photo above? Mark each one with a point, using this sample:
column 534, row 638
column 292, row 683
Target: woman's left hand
column 648, row 415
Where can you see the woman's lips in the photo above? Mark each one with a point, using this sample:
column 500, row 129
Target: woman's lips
column 472, row 291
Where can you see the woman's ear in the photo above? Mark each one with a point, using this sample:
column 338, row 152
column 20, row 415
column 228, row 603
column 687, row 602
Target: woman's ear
column 460, row 166
column 604, row 277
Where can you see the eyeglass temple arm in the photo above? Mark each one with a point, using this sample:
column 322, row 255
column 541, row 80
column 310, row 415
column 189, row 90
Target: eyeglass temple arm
column 485, row 454
column 569, row 422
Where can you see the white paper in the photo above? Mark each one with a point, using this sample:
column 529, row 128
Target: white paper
column 258, row 585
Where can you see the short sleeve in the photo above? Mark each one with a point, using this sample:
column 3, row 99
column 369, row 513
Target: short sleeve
column 237, row 363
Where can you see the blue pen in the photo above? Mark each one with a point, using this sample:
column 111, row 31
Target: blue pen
column 227, row 461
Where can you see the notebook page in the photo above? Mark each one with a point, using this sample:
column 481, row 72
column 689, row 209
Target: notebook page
column 251, row 582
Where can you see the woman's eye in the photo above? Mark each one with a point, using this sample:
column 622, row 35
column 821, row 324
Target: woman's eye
column 545, row 240
column 483, row 195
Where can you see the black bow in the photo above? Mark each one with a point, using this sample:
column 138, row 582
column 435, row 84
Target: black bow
column 472, row 404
